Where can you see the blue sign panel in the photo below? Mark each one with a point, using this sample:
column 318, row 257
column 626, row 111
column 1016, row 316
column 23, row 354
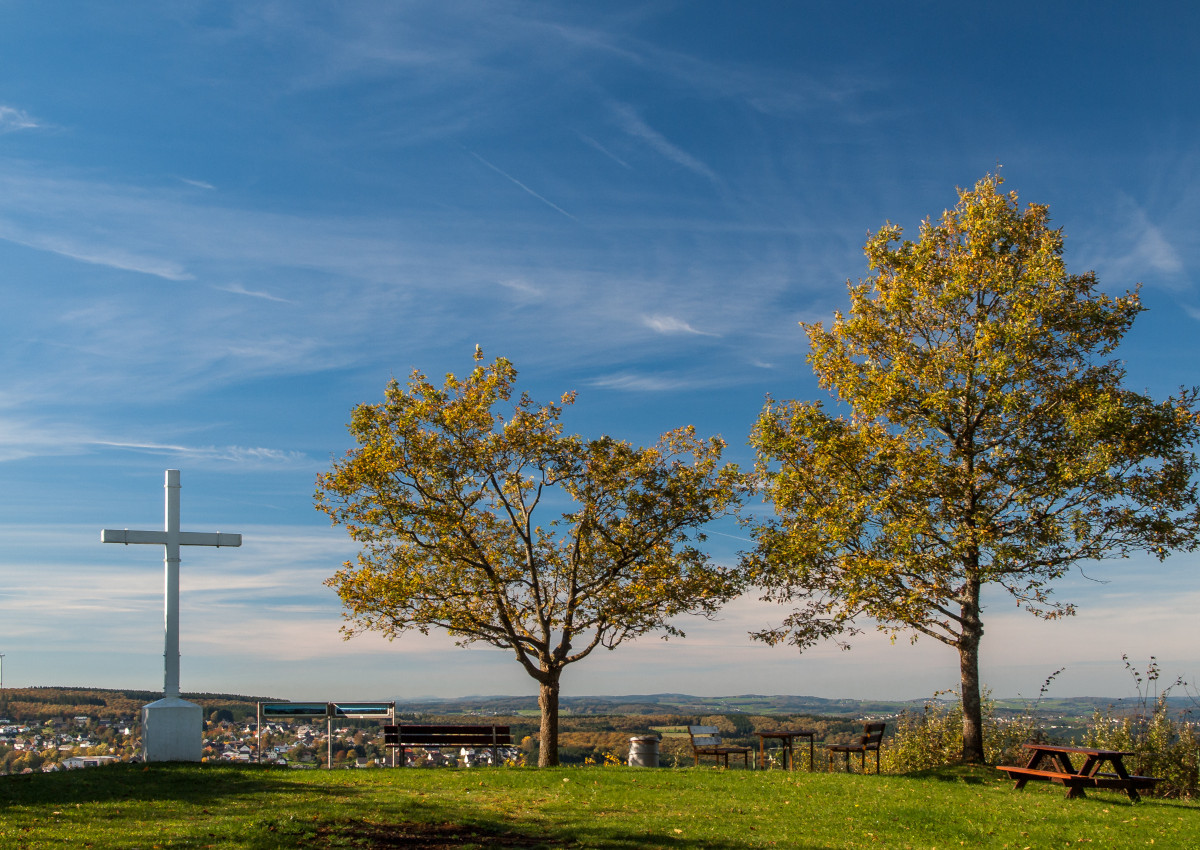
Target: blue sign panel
column 295, row 709
column 362, row 709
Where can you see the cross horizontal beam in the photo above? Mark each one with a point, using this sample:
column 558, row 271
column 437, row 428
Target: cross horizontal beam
column 186, row 538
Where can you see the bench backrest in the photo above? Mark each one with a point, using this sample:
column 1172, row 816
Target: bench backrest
column 872, row 735
column 704, row 736
column 447, row 736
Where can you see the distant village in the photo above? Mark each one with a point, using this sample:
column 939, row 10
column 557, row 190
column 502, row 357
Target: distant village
column 83, row 741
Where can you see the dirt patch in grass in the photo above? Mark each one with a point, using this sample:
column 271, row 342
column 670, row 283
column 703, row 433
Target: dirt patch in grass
column 422, row 836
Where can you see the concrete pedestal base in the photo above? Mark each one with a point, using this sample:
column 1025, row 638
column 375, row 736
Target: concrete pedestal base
column 172, row 730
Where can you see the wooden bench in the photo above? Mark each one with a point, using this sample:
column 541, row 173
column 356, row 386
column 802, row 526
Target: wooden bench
column 434, row 737
column 872, row 737
column 1073, row 782
column 1052, row 763
column 1111, row 780
column 706, row 742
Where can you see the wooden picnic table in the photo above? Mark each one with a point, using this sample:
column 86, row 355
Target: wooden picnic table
column 1052, row 763
column 786, row 737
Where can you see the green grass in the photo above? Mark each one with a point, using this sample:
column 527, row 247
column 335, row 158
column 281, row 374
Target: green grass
column 134, row 806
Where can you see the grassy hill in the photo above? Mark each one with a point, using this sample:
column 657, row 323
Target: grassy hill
column 151, row 806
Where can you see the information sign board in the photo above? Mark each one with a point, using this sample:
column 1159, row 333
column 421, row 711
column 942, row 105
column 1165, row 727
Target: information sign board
column 294, row 709
column 361, row 709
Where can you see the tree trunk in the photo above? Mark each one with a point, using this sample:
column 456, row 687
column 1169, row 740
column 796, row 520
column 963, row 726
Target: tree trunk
column 548, row 736
column 968, row 666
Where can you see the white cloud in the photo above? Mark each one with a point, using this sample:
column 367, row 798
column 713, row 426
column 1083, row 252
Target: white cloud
column 247, row 457
column 633, row 124
column 640, row 382
column 521, row 287
column 37, row 437
column 96, row 252
column 1133, row 245
column 12, row 119
column 672, row 325
column 1154, row 249
column 602, row 149
column 41, row 437
column 523, row 187
column 238, row 289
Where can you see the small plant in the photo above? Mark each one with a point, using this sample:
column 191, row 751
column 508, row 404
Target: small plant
column 931, row 738
column 1164, row 745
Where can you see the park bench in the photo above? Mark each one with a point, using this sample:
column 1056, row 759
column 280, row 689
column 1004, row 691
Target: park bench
column 1070, row 781
column 431, row 737
column 706, row 742
column 872, row 737
column 1052, row 763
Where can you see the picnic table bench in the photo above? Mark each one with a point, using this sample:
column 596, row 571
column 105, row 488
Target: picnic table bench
column 706, row 742
column 786, row 737
column 1052, row 763
column 435, row 736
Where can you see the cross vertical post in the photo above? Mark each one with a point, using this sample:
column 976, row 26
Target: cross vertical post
column 171, row 590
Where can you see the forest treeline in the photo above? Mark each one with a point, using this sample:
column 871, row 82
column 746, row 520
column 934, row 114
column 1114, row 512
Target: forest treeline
column 28, row 705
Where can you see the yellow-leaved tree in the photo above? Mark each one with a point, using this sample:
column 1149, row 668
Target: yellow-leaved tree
column 983, row 437
column 441, row 493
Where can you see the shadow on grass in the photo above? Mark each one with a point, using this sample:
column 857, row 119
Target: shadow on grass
column 425, row 836
column 977, row 774
column 968, row 774
column 413, row 835
column 199, row 784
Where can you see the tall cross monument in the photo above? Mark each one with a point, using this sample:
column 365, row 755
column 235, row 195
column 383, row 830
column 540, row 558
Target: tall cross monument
column 172, row 728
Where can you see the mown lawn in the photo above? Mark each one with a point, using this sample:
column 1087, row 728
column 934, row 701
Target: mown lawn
column 134, row 806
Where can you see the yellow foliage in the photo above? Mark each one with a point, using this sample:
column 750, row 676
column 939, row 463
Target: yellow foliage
column 441, row 493
column 982, row 436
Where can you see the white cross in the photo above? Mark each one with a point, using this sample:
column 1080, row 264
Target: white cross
column 172, row 538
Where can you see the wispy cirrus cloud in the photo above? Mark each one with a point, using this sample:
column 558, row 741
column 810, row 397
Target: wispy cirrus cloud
column 602, row 149
column 95, row 252
column 1153, row 248
column 37, row 437
column 1135, row 245
column 243, row 456
column 238, row 289
column 672, row 325
column 13, row 119
column 522, row 186
column 632, row 123
column 521, row 287
column 41, row 437
column 650, row 382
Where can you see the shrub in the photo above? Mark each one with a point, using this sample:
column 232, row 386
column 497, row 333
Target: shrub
column 1165, row 746
column 920, row 740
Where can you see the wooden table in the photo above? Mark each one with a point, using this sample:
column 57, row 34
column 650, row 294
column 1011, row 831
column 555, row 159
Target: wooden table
column 1052, row 763
column 786, row 738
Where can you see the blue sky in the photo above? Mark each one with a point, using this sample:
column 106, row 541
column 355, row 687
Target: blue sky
column 222, row 225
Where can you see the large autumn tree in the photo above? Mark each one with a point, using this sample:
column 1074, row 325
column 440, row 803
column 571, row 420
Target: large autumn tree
column 442, row 492
column 981, row 435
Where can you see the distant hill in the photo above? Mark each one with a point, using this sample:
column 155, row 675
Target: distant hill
column 40, row 704
column 29, row 704
column 748, row 704
column 655, row 704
